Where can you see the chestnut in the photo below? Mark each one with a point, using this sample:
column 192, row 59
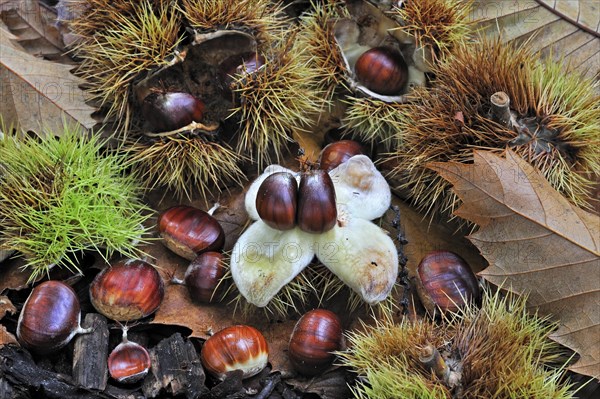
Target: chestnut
column 315, row 337
column 382, row 70
column 164, row 112
column 129, row 362
column 189, row 231
column 338, row 152
column 317, row 211
column 50, row 318
column 204, row 276
column 276, row 200
column 127, row 290
column 237, row 347
column 445, row 282
column 240, row 64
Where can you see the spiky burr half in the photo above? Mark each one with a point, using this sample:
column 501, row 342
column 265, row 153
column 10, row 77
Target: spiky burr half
column 553, row 123
column 498, row 350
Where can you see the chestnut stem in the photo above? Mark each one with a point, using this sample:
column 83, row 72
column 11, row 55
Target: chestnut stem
column 191, row 126
column 212, row 210
column 81, row 330
column 431, row 358
column 176, row 280
column 500, row 111
column 124, row 336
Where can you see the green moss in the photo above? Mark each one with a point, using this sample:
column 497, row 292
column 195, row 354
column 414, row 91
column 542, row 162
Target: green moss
column 61, row 195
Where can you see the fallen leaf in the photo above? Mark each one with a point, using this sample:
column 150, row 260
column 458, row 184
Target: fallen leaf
column 36, row 94
column 34, row 26
column 566, row 31
column 6, row 306
column 537, row 243
column 7, row 338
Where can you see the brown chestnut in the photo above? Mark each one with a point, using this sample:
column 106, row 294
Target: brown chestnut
column 204, row 277
column 164, row 112
column 445, row 282
column 238, row 347
column 315, row 337
column 50, row 318
column 338, row 152
column 276, row 200
column 189, row 231
column 127, row 290
column 129, row 362
column 382, row 70
column 317, row 212
column 240, row 64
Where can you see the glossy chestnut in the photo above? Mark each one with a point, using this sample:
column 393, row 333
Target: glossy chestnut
column 189, row 231
column 315, row 337
column 129, row 361
column 317, row 211
column 164, row 112
column 445, row 282
column 277, row 200
column 237, row 347
column 382, row 70
column 50, row 318
column 127, row 290
column 204, row 277
column 338, row 152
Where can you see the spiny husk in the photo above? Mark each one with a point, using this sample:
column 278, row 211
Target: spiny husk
column 60, row 196
column 264, row 19
column 374, row 121
column 500, row 351
column 185, row 164
column 279, row 98
column 324, row 55
column 446, row 122
column 119, row 41
column 437, row 24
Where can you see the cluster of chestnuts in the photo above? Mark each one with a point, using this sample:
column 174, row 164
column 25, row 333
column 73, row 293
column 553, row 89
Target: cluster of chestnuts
column 127, row 290
column 283, row 203
column 316, row 337
column 445, row 282
column 198, row 237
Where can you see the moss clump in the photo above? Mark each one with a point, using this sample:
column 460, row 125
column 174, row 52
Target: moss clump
column 62, row 194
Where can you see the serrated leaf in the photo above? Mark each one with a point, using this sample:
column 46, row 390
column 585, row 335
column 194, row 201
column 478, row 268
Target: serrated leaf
column 37, row 94
column 563, row 30
column 34, row 26
column 537, row 243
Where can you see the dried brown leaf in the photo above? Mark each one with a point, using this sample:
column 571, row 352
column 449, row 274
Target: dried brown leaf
column 34, row 26
column 36, row 94
column 568, row 30
column 6, row 306
column 537, row 243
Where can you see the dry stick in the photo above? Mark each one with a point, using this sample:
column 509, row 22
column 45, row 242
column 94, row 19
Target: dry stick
column 500, row 111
